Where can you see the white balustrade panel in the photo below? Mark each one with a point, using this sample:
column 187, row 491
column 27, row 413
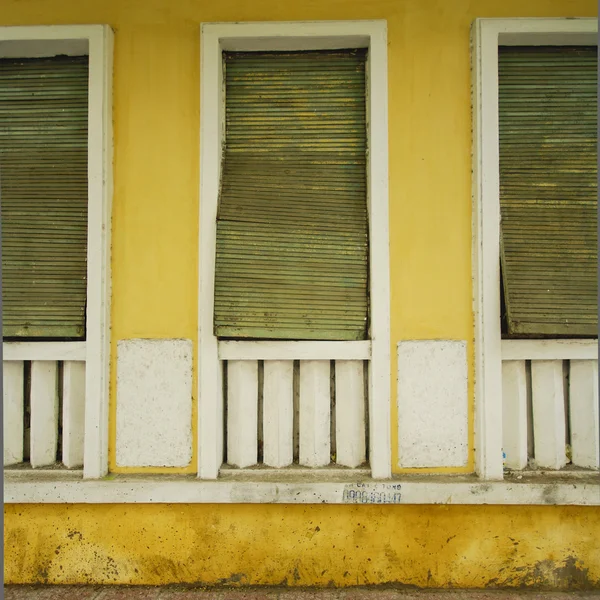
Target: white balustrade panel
column 315, row 413
column 583, row 408
column 549, row 418
column 44, row 412
column 73, row 416
column 432, row 403
column 13, row 410
column 548, row 395
column 514, row 413
column 350, row 413
column 296, row 415
column 154, row 403
column 242, row 413
column 278, row 413
column 43, row 404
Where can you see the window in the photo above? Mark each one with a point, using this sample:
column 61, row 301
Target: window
column 43, row 159
column 548, row 190
column 317, row 339
column 55, row 156
column 534, row 165
column 292, row 239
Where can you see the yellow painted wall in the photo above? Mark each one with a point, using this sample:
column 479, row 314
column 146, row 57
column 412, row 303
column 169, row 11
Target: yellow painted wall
column 429, row 546
column 155, row 241
column 156, row 128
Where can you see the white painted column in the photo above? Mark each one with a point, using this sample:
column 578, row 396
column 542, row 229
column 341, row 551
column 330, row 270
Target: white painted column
column 350, row 413
column 583, row 404
column 486, row 254
column 73, row 420
column 242, row 413
column 547, row 395
column 44, row 412
column 278, row 413
column 514, row 413
column 315, row 401
column 12, row 390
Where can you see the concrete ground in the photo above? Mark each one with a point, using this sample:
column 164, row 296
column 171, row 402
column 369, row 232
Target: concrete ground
column 64, row 592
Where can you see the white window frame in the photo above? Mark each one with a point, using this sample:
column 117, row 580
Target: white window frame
column 97, row 42
column 487, row 35
column 215, row 38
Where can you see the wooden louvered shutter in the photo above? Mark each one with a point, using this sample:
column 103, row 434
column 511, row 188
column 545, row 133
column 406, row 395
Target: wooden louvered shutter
column 292, row 241
column 548, row 189
column 43, row 173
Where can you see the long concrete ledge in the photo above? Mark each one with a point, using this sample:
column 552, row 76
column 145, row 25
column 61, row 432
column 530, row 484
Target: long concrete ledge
column 252, row 488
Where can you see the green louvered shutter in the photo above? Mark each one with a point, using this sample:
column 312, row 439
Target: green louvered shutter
column 292, row 241
column 548, row 189
column 43, row 173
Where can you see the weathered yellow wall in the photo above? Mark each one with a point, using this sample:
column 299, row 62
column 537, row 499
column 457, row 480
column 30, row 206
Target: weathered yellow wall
column 156, row 125
column 155, row 240
column 437, row 546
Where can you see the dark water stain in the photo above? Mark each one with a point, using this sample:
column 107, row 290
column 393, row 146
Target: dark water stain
column 547, row 575
column 233, row 579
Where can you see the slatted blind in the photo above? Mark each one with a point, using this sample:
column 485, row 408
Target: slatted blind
column 43, row 173
column 548, row 189
column 292, row 242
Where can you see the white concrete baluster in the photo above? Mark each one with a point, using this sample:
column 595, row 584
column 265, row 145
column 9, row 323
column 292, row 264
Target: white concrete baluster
column 13, row 411
column 278, row 413
column 514, row 413
column 44, row 412
column 242, row 412
column 314, row 413
column 583, row 404
column 73, row 413
column 349, row 412
column 549, row 425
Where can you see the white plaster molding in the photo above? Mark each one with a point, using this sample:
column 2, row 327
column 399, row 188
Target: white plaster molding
column 549, row 349
column 304, row 350
column 487, row 35
column 44, row 351
column 216, row 37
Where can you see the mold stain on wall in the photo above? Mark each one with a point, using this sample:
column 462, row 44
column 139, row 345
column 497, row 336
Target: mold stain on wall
column 155, row 286
column 322, row 545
